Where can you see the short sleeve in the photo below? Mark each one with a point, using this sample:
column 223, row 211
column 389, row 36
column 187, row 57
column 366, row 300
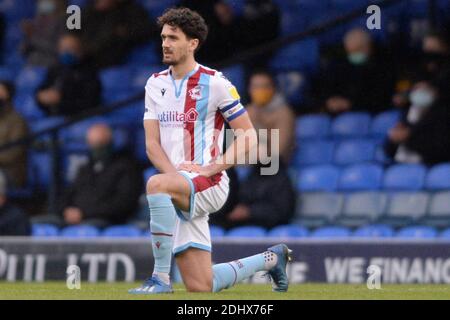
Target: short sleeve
column 228, row 99
column 150, row 106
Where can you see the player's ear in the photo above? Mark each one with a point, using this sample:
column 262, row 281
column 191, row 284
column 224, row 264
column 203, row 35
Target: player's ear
column 194, row 44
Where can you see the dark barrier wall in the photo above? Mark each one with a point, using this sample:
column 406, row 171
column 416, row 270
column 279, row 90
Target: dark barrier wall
column 314, row 261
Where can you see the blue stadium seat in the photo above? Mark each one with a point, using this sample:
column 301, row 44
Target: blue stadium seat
column 445, row 234
column 292, row 84
column 288, row 231
column 236, row 75
column 438, row 177
column 156, row 8
column 125, row 231
column 361, row 177
column 417, row 232
column 143, row 55
column 6, row 73
column 311, row 152
column 374, row 231
column 354, row 151
column 331, row 232
column 439, row 210
column 318, row 178
column 362, row 208
column 149, row 172
column 115, row 78
column 351, row 124
column 44, row 230
column 140, row 75
column 384, row 121
column 318, row 208
column 17, row 10
column 80, row 231
column 25, row 104
column 247, row 232
column 29, row 78
column 404, row 177
column 300, row 56
column 405, row 208
column 216, row 231
column 40, row 163
column 381, row 156
column 312, row 126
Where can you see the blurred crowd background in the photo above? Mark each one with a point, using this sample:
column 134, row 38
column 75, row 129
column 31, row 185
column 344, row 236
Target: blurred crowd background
column 363, row 115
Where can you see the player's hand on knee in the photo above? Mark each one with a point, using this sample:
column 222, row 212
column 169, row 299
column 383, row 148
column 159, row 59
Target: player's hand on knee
column 189, row 167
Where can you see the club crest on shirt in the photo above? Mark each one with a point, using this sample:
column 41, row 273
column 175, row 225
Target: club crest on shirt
column 196, row 93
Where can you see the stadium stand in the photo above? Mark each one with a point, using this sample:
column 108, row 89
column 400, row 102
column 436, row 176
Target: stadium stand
column 346, row 184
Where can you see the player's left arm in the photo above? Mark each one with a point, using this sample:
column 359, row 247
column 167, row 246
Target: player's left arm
column 238, row 152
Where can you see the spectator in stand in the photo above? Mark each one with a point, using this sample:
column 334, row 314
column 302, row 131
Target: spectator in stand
column 112, row 28
column 423, row 136
column 225, row 33
column 434, row 62
column 363, row 81
column 41, row 34
column 263, row 200
column 73, row 84
column 13, row 161
column 13, row 221
column 269, row 110
column 106, row 190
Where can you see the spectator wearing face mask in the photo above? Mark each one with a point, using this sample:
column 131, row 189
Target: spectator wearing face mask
column 13, row 161
column 269, row 110
column 423, row 136
column 73, row 84
column 41, row 34
column 434, row 62
column 107, row 189
column 13, row 221
column 363, row 81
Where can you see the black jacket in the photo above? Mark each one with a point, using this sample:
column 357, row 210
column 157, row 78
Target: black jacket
column 369, row 87
column 271, row 200
column 13, row 221
column 430, row 136
column 110, row 194
column 79, row 85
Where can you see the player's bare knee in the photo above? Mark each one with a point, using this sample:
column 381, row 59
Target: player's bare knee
column 156, row 184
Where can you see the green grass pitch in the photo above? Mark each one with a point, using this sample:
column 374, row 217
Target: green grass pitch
column 118, row 291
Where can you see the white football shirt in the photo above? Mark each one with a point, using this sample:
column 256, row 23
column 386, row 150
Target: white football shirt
column 191, row 113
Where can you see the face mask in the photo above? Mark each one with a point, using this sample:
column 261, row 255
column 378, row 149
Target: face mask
column 46, row 7
column 421, row 98
column 358, row 58
column 68, row 58
column 261, row 96
column 101, row 153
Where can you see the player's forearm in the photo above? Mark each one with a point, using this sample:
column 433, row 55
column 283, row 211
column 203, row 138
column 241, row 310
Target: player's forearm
column 241, row 151
column 159, row 158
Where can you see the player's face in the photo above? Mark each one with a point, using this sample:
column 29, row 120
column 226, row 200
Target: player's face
column 176, row 46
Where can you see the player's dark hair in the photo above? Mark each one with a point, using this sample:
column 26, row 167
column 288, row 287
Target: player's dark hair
column 190, row 22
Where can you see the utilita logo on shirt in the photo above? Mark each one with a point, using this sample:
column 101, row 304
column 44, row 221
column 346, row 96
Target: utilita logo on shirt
column 175, row 116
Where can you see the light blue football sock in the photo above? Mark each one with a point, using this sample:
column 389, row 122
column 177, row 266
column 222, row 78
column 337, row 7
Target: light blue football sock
column 162, row 225
column 226, row 275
